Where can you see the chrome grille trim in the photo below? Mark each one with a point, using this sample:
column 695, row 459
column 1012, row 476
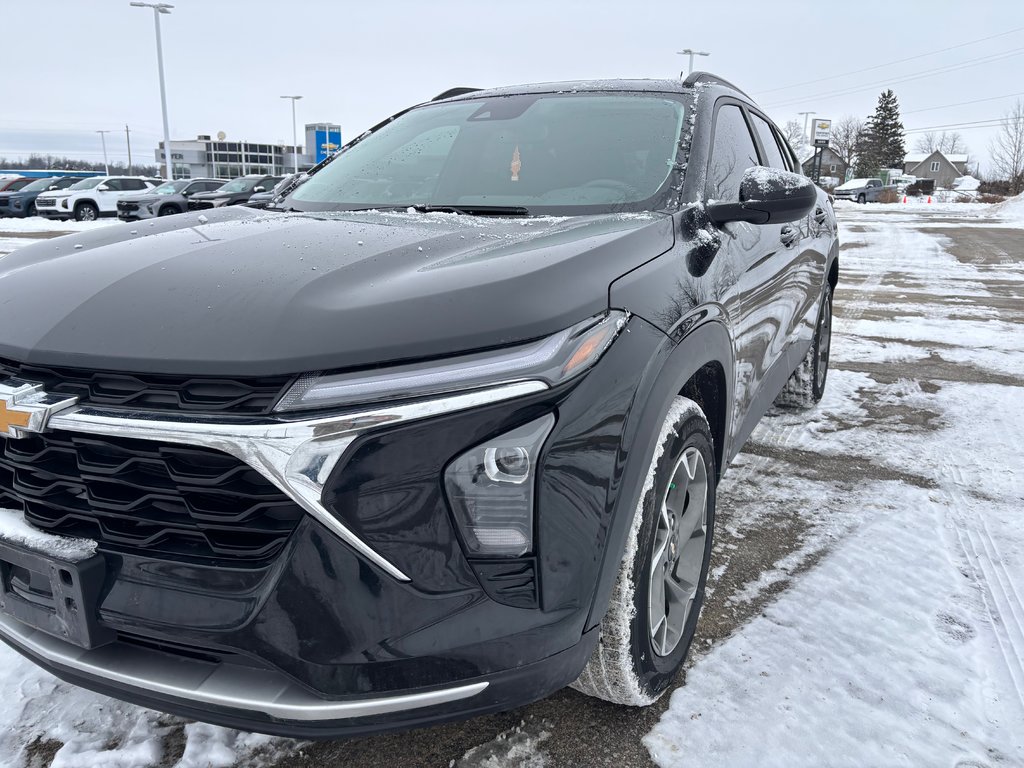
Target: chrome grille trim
column 297, row 456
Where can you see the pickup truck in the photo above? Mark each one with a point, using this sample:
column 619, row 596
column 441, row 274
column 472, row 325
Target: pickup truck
column 862, row 190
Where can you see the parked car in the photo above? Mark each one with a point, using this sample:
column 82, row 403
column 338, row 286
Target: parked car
column 438, row 439
column 862, row 190
column 23, row 202
column 13, row 185
column 234, row 192
column 263, row 199
column 169, row 198
column 90, row 198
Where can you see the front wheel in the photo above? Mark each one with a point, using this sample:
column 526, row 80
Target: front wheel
column 86, row 212
column 862, row 199
column 654, row 607
column 168, row 210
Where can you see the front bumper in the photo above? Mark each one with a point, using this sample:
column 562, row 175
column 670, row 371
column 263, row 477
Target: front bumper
column 372, row 617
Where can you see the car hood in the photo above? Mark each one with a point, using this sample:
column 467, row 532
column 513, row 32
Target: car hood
column 146, row 198
column 241, row 292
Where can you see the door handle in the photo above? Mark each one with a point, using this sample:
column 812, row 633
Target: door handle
column 789, row 236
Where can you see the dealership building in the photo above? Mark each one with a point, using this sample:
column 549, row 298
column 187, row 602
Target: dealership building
column 224, row 159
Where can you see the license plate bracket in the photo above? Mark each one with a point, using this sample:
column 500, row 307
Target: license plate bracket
column 69, row 612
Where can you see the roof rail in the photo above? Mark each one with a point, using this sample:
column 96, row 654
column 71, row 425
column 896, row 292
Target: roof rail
column 695, row 78
column 455, row 92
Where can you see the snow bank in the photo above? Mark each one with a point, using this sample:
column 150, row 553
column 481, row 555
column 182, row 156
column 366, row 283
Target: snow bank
column 1012, row 209
column 39, row 224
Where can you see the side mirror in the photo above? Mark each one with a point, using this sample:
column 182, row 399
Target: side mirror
column 102, row 188
column 185, row 193
column 258, row 189
column 767, row 196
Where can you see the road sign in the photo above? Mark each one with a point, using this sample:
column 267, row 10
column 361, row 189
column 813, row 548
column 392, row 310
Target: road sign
column 822, row 132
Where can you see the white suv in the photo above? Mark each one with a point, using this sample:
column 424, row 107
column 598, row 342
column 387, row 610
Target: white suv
column 91, row 198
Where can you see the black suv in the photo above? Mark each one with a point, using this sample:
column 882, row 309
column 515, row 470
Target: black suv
column 440, row 438
column 235, row 192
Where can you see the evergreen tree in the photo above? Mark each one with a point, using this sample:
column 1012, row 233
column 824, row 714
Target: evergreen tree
column 882, row 143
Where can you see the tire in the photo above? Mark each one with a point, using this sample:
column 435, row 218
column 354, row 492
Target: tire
column 167, row 210
column 862, row 199
column 632, row 665
column 86, row 212
column 806, row 384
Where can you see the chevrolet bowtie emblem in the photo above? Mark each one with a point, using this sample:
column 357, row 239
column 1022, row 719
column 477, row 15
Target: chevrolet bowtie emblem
column 25, row 407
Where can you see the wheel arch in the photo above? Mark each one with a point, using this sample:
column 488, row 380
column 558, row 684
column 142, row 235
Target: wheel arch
column 697, row 366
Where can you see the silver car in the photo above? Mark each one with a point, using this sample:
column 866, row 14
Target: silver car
column 167, row 199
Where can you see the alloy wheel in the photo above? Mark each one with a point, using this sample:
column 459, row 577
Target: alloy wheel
column 678, row 551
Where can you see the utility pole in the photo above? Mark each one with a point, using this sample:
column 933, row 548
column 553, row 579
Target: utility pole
column 159, row 8
column 103, row 138
column 807, row 139
column 691, row 53
column 128, row 138
column 295, row 135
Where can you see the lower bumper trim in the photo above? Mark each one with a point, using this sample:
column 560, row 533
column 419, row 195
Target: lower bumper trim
column 216, row 684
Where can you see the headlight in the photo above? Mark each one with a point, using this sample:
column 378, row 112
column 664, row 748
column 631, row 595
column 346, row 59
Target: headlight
column 16, row 203
column 491, row 489
column 219, row 202
column 551, row 360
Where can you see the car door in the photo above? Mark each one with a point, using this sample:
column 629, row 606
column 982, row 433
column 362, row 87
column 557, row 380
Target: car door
column 107, row 195
column 761, row 260
column 804, row 270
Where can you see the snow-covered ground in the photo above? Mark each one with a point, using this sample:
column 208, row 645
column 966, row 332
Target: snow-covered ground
column 891, row 633
column 904, row 645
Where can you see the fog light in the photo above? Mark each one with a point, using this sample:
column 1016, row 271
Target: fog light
column 490, row 489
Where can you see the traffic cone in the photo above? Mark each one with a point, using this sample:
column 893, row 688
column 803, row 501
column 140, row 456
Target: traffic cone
column 929, row 199
column 904, row 199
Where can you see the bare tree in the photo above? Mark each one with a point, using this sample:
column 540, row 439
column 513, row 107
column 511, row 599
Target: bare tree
column 846, row 136
column 947, row 142
column 1007, row 149
column 794, row 133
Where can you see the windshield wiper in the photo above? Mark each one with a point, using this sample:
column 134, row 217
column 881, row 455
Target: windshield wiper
column 474, row 210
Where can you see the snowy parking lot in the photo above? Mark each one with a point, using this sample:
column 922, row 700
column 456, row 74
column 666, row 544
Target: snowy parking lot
column 866, row 602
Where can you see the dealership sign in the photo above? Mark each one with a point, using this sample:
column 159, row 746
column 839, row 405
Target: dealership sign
column 822, row 132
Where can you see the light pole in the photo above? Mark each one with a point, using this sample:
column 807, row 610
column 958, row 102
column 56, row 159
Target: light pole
column 691, row 53
column 159, row 8
column 103, row 138
column 806, row 115
column 295, row 135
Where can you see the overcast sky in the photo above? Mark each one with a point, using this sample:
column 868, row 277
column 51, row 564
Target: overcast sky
column 72, row 67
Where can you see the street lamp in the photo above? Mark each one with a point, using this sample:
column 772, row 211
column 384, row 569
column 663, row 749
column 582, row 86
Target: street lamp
column 159, row 8
column 806, row 115
column 295, row 135
column 103, row 138
column 691, row 53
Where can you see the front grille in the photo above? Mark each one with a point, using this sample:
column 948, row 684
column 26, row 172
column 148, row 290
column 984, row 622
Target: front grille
column 199, row 205
column 46, row 202
column 158, row 392
column 146, row 497
column 123, row 206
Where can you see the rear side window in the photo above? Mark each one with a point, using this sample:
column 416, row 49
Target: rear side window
column 772, row 153
column 114, row 184
column 732, row 153
column 133, row 184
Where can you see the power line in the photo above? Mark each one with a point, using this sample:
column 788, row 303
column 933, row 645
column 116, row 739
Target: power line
column 891, row 63
column 989, row 59
column 991, row 122
column 962, row 103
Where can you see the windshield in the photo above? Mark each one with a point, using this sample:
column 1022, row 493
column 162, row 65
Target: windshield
column 87, row 183
column 548, row 153
column 171, row 187
column 239, row 185
column 38, row 185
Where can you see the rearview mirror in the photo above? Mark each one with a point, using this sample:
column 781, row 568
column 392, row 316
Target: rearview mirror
column 767, row 196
